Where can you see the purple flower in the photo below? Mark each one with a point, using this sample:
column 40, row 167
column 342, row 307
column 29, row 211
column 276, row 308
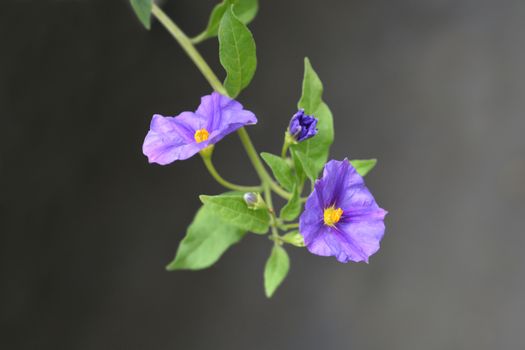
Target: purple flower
column 302, row 126
column 177, row 138
column 341, row 217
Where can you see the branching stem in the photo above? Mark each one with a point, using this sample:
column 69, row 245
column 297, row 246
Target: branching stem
column 213, row 171
column 268, row 184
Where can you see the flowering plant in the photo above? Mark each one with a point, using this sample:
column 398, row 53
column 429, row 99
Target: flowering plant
column 340, row 217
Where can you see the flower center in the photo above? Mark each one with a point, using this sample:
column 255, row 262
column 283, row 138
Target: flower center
column 332, row 216
column 201, row 135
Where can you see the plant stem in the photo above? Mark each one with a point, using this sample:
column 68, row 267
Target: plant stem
column 288, row 140
column 188, row 47
column 268, row 199
column 257, row 164
column 289, row 226
column 199, row 38
column 284, row 150
column 273, row 219
column 213, row 171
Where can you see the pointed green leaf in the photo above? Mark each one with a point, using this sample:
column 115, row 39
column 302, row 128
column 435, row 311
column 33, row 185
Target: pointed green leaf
column 294, row 238
column 307, row 165
column 317, row 148
column 236, row 53
column 232, row 209
column 299, row 171
column 292, row 209
column 281, row 170
column 312, row 94
column 363, row 166
column 206, row 240
column 275, row 270
column 213, row 23
column 245, row 10
column 142, row 9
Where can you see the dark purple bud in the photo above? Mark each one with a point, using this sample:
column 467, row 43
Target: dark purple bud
column 302, row 126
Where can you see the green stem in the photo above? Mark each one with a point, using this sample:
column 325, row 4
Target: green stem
column 289, row 226
column 268, row 199
column 199, row 38
column 258, row 165
column 273, row 219
column 288, row 140
column 188, row 47
column 284, row 150
column 252, row 154
column 213, row 171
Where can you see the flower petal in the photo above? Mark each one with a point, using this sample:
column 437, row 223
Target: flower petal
column 342, row 248
column 318, row 244
column 311, row 221
column 170, row 139
column 362, row 237
column 338, row 177
column 224, row 115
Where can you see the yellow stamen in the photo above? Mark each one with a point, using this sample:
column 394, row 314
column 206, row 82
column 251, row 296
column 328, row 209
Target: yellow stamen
column 332, row 215
column 201, row 135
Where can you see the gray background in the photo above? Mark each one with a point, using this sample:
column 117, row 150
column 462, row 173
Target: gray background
column 434, row 89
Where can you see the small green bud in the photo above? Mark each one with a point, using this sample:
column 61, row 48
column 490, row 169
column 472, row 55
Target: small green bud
column 254, row 200
column 293, row 238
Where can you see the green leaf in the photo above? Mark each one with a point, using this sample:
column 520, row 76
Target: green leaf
column 317, row 148
column 294, row 238
column 281, row 170
column 292, row 209
column 236, row 53
column 312, row 94
column 275, row 270
column 142, row 9
column 299, row 171
column 206, row 240
column 213, row 23
column 245, row 10
column 232, row 209
column 363, row 166
column 307, row 165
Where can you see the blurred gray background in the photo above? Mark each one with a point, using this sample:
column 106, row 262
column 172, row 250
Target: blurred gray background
column 434, row 89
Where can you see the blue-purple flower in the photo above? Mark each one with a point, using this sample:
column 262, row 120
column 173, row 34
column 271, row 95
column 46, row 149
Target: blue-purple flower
column 302, row 126
column 341, row 217
column 177, row 138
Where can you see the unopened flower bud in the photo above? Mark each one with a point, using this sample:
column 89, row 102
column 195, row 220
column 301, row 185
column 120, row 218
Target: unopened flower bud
column 294, row 238
column 254, row 200
column 302, row 126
